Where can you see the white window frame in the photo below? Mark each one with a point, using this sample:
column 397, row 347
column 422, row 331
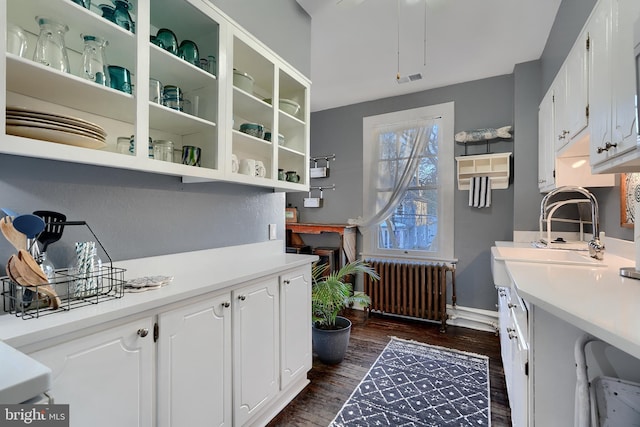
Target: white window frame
column 446, row 180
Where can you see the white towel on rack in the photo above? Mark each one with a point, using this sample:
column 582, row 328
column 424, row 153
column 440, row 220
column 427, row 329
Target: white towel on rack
column 480, row 192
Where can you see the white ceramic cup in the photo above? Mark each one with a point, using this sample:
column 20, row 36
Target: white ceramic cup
column 234, row 163
column 248, row 167
column 261, row 171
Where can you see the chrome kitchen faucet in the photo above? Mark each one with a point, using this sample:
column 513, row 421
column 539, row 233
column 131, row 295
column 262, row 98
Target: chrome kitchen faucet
column 547, row 209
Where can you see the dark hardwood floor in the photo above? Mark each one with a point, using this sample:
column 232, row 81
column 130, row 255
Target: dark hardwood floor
column 331, row 386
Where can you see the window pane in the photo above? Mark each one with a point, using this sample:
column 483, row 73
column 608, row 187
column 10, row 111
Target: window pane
column 413, row 225
column 428, row 171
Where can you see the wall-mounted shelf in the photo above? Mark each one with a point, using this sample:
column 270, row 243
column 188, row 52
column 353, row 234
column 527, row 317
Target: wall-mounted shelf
column 496, row 166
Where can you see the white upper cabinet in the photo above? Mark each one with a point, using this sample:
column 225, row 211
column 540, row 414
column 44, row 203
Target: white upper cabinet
column 546, row 144
column 612, row 86
column 207, row 113
column 563, row 125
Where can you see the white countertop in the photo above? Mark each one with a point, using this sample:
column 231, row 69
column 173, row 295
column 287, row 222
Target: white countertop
column 22, row 377
column 595, row 299
column 195, row 273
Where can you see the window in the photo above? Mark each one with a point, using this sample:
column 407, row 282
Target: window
column 410, row 214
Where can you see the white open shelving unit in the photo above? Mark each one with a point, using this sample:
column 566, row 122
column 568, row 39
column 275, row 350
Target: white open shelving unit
column 496, row 166
column 221, row 106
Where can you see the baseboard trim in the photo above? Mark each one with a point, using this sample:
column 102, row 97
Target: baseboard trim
column 473, row 318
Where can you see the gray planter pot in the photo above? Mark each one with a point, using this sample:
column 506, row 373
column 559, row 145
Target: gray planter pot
column 331, row 345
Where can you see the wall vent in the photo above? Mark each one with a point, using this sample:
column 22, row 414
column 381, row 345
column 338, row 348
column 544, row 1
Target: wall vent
column 410, row 78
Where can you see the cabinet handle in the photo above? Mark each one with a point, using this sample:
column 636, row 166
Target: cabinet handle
column 563, row 135
column 607, row 147
column 226, row 304
column 143, row 332
column 512, row 335
column 242, row 297
column 511, row 329
column 512, row 305
column 286, row 282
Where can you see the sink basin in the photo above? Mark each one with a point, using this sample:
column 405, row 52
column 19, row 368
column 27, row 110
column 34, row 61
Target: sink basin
column 500, row 254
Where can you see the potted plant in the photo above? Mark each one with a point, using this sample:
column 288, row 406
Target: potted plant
column 330, row 294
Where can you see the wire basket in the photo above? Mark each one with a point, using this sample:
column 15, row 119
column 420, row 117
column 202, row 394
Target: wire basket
column 73, row 289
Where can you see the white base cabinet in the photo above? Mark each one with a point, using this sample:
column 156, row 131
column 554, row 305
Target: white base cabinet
column 194, row 364
column 255, row 348
column 234, row 357
column 106, row 377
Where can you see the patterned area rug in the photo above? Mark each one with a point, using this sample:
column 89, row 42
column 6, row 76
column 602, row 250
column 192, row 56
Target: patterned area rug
column 415, row 384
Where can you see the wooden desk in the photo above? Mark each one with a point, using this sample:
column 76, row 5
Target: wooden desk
column 347, row 234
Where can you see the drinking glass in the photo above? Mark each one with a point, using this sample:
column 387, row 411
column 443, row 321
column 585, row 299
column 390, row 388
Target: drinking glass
column 163, row 150
column 155, row 91
column 120, row 78
column 16, row 40
column 50, row 47
column 94, row 61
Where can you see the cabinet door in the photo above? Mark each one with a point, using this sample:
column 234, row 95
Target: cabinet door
column 599, row 28
column 295, row 326
column 194, row 364
column 560, row 121
column 624, row 130
column 106, row 377
column 546, row 148
column 255, row 348
column 577, row 87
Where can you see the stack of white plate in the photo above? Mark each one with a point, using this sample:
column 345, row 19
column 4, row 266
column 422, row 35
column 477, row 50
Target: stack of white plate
column 54, row 128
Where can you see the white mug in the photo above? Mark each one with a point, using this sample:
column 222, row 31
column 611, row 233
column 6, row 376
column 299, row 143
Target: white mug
column 248, row 167
column 261, row 171
column 234, row 163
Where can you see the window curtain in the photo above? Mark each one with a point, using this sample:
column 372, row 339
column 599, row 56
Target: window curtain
column 408, row 157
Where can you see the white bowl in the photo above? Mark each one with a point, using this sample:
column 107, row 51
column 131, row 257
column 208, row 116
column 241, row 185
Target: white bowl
column 243, row 81
column 289, row 106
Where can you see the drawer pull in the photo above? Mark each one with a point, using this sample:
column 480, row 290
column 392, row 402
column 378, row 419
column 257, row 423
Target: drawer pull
column 226, row 304
column 143, row 332
column 512, row 305
column 242, row 297
column 512, row 335
column 286, row 282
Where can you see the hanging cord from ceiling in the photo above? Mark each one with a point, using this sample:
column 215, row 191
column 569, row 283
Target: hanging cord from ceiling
column 424, row 35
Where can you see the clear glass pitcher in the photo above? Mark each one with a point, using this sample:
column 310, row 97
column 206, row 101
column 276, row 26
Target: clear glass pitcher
column 50, row 47
column 94, row 60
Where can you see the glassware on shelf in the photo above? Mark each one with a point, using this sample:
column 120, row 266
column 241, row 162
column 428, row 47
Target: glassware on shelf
column 155, row 91
column 167, row 40
column 84, row 3
column 163, row 150
column 120, row 78
column 211, row 64
column 108, row 12
column 16, row 40
column 121, row 15
column 94, row 61
column 188, row 51
column 50, row 47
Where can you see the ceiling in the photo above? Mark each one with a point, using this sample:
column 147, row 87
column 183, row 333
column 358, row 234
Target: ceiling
column 354, row 44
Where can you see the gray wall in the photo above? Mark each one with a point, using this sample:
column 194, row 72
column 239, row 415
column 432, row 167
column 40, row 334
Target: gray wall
column 283, row 25
column 571, row 17
column 142, row 214
column 482, row 103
